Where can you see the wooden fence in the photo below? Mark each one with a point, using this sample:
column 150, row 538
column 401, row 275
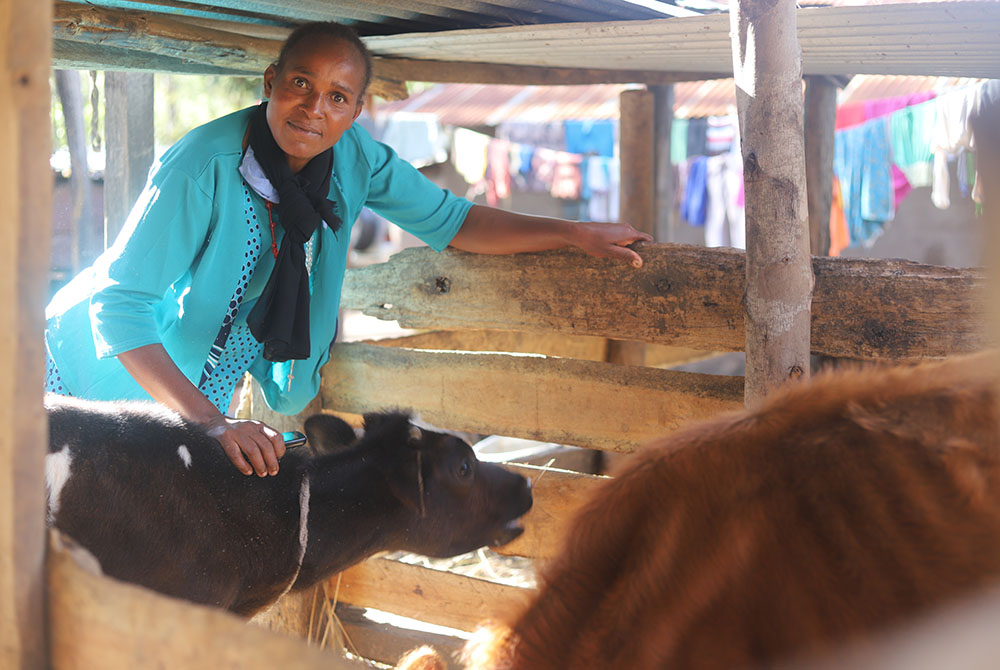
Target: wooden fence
column 521, row 356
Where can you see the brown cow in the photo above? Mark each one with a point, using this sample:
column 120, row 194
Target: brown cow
column 838, row 508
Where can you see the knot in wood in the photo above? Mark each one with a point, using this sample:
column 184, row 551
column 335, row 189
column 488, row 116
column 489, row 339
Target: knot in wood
column 442, row 284
column 751, row 169
column 663, row 286
column 795, row 372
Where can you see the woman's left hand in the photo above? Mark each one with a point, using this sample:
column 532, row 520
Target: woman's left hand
column 609, row 240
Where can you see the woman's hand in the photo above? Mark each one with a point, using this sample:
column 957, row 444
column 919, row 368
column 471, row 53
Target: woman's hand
column 242, row 440
column 608, row 240
column 246, row 440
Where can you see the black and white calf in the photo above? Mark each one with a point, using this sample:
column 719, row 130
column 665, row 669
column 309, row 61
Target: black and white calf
column 159, row 504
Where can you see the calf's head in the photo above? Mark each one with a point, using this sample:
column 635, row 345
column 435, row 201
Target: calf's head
column 451, row 502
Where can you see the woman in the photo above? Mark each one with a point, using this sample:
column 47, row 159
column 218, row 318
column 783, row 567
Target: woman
column 233, row 257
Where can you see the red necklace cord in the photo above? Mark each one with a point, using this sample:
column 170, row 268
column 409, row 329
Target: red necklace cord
column 270, row 218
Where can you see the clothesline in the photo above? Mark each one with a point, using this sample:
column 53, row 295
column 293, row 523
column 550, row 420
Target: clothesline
column 883, row 149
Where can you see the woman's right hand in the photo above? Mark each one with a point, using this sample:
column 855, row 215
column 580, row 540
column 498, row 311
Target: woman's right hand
column 247, row 440
column 242, row 439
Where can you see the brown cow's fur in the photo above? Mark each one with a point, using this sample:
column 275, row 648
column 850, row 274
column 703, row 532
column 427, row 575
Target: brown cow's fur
column 836, row 509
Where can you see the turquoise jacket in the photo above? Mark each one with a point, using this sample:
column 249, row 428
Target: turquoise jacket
column 169, row 276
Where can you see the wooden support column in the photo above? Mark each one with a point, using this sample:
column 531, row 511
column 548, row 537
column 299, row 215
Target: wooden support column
column 985, row 124
column 767, row 68
column 128, row 127
column 25, row 214
column 663, row 120
column 638, row 193
column 820, row 122
column 71, row 98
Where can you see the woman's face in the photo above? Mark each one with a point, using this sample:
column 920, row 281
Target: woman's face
column 314, row 98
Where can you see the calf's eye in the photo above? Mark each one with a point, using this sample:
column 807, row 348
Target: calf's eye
column 465, row 468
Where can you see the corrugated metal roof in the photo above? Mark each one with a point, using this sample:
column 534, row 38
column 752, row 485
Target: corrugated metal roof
column 950, row 39
column 940, row 38
column 472, row 105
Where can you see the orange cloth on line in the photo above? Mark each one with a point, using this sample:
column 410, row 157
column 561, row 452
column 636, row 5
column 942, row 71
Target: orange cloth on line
column 840, row 237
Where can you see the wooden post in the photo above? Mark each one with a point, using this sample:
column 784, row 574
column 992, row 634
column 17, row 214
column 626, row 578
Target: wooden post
column 985, row 124
column 68, row 85
column 663, row 119
column 25, row 207
column 820, row 121
column 638, row 198
column 767, row 68
column 128, row 126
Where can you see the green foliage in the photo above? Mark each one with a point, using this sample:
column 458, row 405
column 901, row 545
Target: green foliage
column 180, row 103
column 183, row 102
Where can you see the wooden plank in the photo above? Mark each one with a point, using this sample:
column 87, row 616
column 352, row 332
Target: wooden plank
column 433, row 596
column 386, row 643
column 128, row 127
column 140, row 40
column 820, row 120
column 409, row 69
column 558, row 494
column 98, row 622
column 25, row 207
column 683, row 296
column 579, row 403
column 547, row 344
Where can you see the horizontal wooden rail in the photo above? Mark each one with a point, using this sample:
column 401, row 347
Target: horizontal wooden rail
column 566, row 401
column 683, row 296
column 583, row 347
column 434, row 596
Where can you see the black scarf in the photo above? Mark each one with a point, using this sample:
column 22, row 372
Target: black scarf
column 280, row 319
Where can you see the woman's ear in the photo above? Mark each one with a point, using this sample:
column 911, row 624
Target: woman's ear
column 269, row 74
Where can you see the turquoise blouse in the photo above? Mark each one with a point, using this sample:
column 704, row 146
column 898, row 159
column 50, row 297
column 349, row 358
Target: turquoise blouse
column 171, row 273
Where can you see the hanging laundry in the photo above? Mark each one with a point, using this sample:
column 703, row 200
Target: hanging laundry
column 849, row 115
column 840, row 237
column 910, row 131
column 695, row 193
column 602, row 188
column 678, row 141
column 566, row 180
column 497, row 171
column 416, row 138
column 862, row 164
column 884, row 106
column 725, row 223
column 697, row 137
column 720, row 134
column 540, row 135
column 951, row 133
column 900, row 185
column 590, row 137
column 469, row 155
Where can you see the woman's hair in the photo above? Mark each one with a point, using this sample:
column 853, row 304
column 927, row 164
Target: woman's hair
column 332, row 32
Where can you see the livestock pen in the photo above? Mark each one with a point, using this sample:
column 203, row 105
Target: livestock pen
column 691, row 298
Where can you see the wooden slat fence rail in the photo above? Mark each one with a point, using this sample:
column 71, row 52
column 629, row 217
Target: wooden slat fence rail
column 683, row 296
column 566, row 401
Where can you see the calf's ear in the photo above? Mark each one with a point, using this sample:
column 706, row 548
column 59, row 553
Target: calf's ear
column 388, row 436
column 328, row 433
